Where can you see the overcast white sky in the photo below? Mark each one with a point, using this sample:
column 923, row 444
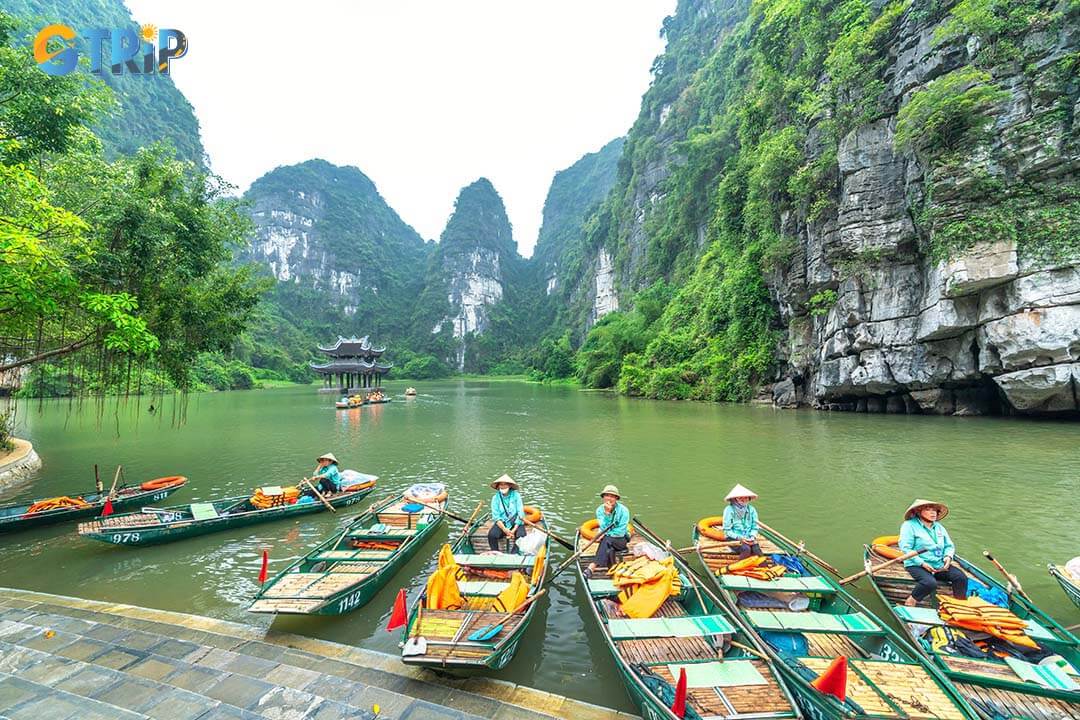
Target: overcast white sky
column 424, row 96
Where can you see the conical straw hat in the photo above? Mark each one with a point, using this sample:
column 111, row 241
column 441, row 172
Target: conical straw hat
column 327, row 456
column 741, row 491
column 505, row 479
column 942, row 508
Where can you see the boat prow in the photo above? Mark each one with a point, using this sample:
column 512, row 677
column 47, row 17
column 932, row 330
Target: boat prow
column 344, row 572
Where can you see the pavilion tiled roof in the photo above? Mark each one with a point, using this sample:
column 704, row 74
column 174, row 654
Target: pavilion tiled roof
column 353, row 347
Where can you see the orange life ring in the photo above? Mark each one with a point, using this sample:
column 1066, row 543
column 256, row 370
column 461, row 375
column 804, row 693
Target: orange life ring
column 589, row 527
column 886, row 546
column 533, row 514
column 708, row 527
column 359, row 486
column 163, row 482
column 426, row 498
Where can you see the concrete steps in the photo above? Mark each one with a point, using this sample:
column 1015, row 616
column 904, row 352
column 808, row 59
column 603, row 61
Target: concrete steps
column 64, row 658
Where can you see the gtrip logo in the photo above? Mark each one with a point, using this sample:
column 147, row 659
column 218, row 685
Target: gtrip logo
column 139, row 53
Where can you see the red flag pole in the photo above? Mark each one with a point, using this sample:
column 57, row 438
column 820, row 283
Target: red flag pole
column 265, row 566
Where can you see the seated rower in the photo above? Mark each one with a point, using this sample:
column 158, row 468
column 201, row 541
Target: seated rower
column 614, row 517
column 922, row 531
column 507, row 514
column 741, row 521
column 327, row 474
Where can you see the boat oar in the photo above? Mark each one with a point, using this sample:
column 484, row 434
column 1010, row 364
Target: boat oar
column 562, row 541
column 802, row 549
column 416, row 645
column 1013, row 582
column 447, row 513
column 116, row 479
column 319, row 494
column 472, row 517
column 491, row 630
column 871, row 570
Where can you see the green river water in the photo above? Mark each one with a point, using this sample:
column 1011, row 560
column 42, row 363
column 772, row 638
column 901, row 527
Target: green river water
column 835, row 480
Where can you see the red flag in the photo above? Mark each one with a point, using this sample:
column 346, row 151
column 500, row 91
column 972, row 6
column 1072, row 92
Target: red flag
column 834, row 680
column 400, row 615
column 679, row 706
column 107, row 510
column 265, row 566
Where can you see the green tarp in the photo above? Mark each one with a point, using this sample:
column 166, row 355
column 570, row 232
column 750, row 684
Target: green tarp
column 719, row 674
column 670, row 627
column 203, row 511
column 812, row 621
column 782, row 584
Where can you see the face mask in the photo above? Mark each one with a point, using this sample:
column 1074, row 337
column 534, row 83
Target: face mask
column 504, row 490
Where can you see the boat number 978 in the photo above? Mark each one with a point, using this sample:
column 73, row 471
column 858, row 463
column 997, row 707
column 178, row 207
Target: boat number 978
column 125, row 537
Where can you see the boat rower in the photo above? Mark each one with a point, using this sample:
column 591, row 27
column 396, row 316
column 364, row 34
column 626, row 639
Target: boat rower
column 923, row 531
column 328, row 475
column 507, row 513
column 741, row 521
column 614, row 517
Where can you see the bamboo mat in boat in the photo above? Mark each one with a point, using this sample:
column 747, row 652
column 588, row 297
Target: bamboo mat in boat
column 909, row 686
column 120, row 523
column 1023, row 705
column 747, row 699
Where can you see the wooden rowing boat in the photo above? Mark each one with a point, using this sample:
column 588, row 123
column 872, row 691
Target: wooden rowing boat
column 694, row 630
column 14, row 515
column 337, row 576
column 815, row 621
column 1070, row 585
column 486, row 574
column 153, row 526
column 988, row 684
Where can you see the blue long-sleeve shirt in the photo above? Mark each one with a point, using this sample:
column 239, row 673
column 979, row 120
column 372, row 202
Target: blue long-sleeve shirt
column 741, row 523
column 507, row 509
column 914, row 535
column 618, row 520
column 330, row 472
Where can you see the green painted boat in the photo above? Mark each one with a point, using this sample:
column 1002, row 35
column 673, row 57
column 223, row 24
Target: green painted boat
column 807, row 620
column 346, row 571
column 990, row 684
column 1070, row 585
column 728, row 673
column 14, row 516
column 485, row 575
column 154, row 526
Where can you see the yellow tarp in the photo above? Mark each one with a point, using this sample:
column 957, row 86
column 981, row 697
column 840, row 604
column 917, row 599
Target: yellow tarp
column 538, row 566
column 442, row 587
column 514, row 594
column 645, row 585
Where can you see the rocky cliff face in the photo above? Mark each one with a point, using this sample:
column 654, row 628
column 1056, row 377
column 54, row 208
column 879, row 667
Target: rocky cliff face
column 326, row 231
column 993, row 325
column 926, row 270
column 475, row 262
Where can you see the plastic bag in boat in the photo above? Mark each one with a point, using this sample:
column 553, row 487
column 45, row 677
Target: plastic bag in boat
column 653, row 552
column 352, row 477
column 532, row 542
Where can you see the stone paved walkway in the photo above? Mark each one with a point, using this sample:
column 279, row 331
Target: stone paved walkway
column 64, row 658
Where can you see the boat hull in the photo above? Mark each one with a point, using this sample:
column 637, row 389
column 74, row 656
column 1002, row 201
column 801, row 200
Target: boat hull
column 123, row 502
column 354, row 595
column 1016, row 695
column 1071, row 589
column 142, row 536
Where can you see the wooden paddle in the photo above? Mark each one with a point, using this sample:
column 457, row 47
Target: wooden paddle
column 116, row 479
column 318, row 494
column 447, row 513
column 802, row 549
column 1013, row 582
column 562, row 541
column 871, row 570
column 492, row 629
column 472, row 517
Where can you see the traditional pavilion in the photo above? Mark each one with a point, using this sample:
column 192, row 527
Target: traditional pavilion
column 354, row 364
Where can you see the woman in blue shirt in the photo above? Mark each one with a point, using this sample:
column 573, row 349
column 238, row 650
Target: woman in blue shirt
column 328, row 475
column 614, row 517
column 508, row 514
column 741, row 521
column 922, row 531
